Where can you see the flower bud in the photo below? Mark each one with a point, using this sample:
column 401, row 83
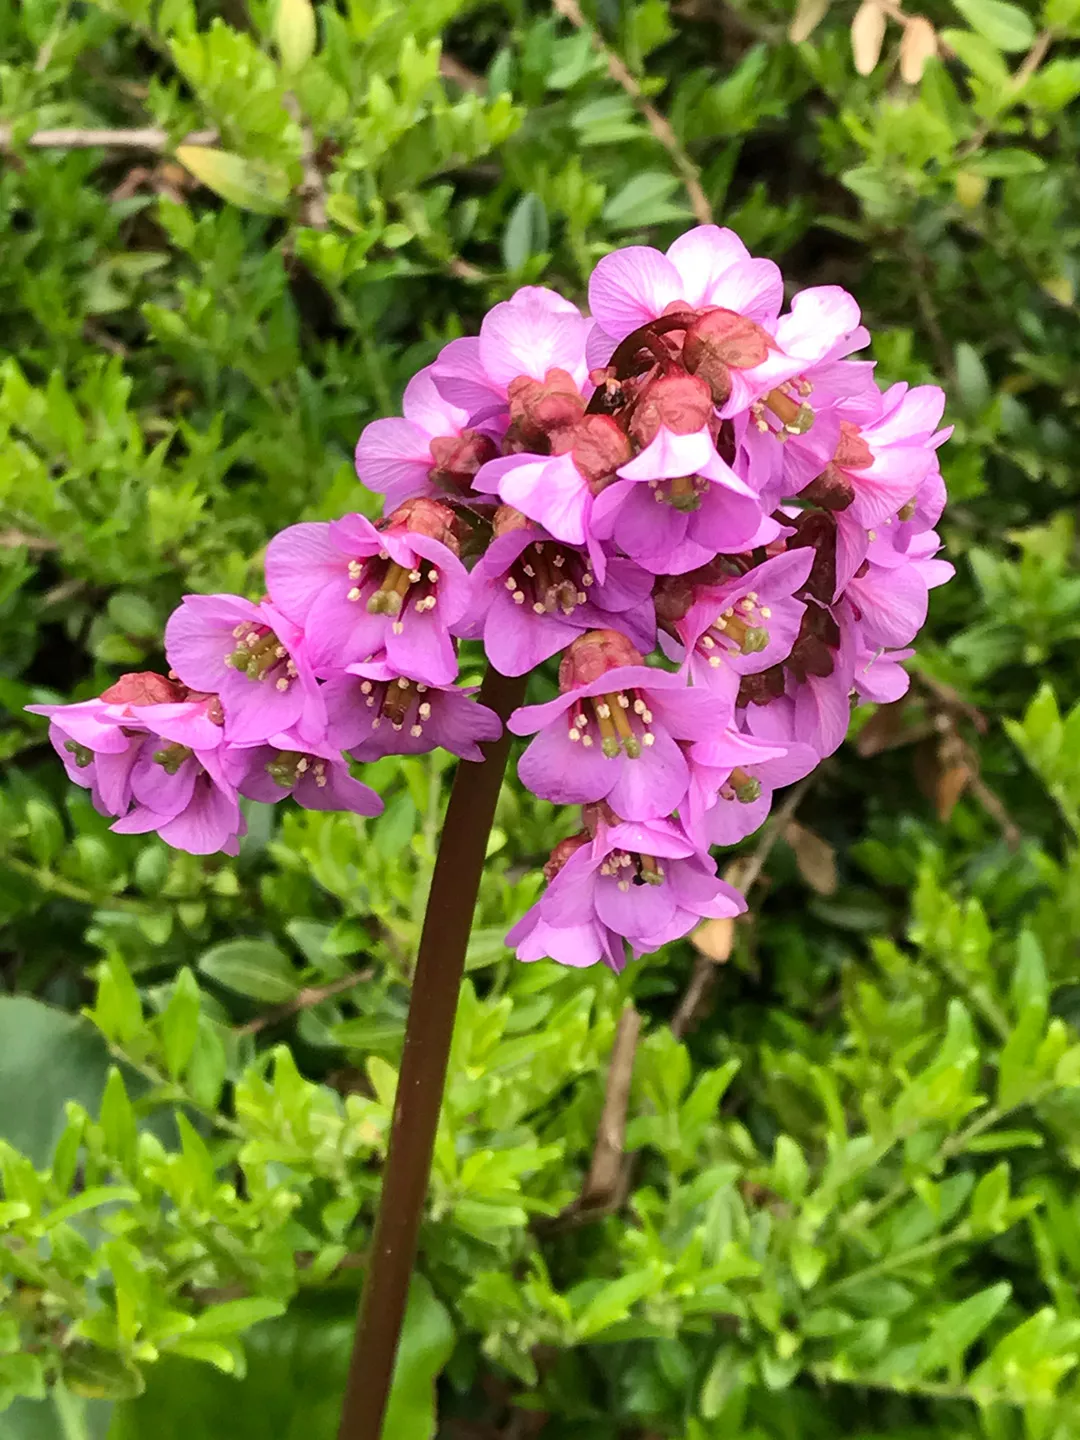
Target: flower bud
column 673, row 596
column 563, row 851
column 458, row 458
column 683, row 403
column 814, row 651
column 818, row 530
column 143, row 687
column 540, row 407
column 720, row 340
column 598, row 446
column 424, row 516
column 594, row 654
column 507, row 519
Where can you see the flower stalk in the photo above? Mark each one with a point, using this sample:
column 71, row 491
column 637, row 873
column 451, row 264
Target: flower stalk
column 429, row 1030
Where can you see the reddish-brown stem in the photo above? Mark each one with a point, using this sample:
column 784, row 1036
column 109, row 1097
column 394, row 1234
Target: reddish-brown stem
column 429, row 1029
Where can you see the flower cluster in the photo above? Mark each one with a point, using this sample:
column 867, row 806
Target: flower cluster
column 695, row 497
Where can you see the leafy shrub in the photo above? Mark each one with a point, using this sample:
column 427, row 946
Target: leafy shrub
column 847, row 1200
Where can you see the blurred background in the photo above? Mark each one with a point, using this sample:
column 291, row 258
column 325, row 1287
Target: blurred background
column 835, row 1193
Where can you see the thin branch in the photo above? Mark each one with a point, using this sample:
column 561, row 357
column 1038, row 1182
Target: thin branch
column 660, row 127
column 743, row 874
column 608, row 1179
column 18, row 539
column 149, row 137
column 1030, row 63
column 311, row 191
column 303, row 1000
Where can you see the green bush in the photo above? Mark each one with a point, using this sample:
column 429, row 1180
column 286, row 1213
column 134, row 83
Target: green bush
column 848, row 1200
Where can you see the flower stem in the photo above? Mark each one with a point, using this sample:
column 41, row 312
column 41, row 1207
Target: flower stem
column 429, row 1029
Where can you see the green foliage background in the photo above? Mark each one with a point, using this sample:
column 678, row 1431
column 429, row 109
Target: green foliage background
column 852, row 1206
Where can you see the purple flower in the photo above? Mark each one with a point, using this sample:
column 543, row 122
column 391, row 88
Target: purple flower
column 614, row 736
column 677, row 504
column 889, row 594
column 532, row 333
column 746, row 625
column 185, row 795
column 644, row 883
column 361, row 592
column 316, row 777
column 812, row 708
column 533, row 595
column 880, row 676
column 706, row 267
column 734, row 776
column 430, row 450
column 254, row 658
column 374, row 711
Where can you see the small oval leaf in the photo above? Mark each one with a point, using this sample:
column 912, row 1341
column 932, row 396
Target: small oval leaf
column 867, row 36
column 918, row 45
column 294, row 34
column 250, row 184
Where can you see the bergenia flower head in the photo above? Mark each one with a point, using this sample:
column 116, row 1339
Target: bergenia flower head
column 699, row 502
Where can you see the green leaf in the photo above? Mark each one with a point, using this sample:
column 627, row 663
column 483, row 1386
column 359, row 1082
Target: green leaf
column 959, row 1327
column 295, row 1378
column 1006, row 26
column 294, row 34
column 999, row 164
column 251, row 184
column 46, row 1059
column 645, row 200
column 180, row 1023
column 255, row 968
column 99, row 1374
column 232, row 1316
column 526, row 232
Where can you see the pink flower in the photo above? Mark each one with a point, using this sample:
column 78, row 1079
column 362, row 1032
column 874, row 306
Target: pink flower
column 362, row 592
column 880, row 466
column 889, row 594
column 813, row 705
column 533, row 595
column 614, row 732
column 429, row 451
column 704, row 268
column 373, row 711
column 185, row 795
column 745, row 625
column 532, row 333
column 677, row 503
column 253, row 657
column 315, row 776
column 734, row 776
column 644, row 883
column 880, row 676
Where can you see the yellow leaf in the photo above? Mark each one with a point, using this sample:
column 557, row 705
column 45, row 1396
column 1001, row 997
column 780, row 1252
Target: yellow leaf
column 867, row 36
column 918, row 45
column 251, row 184
column 714, row 939
column 294, row 34
column 815, row 858
column 808, row 16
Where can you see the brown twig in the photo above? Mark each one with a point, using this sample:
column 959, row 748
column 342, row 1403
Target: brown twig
column 451, row 68
column 148, row 137
column 16, row 539
column 608, row 1179
column 311, row 191
column 429, row 1029
column 1030, row 63
column 744, row 875
column 303, row 1000
column 660, row 127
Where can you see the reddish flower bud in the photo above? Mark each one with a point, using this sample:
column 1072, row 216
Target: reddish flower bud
column 563, row 852
column 540, row 407
column 458, row 458
column 144, row 687
column 599, row 447
column 720, row 340
column 814, row 651
column 761, row 688
column 424, row 516
column 816, row 529
column 673, row 596
column 506, row 519
column 832, row 489
column 852, row 451
column 681, row 402
column 594, row 654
